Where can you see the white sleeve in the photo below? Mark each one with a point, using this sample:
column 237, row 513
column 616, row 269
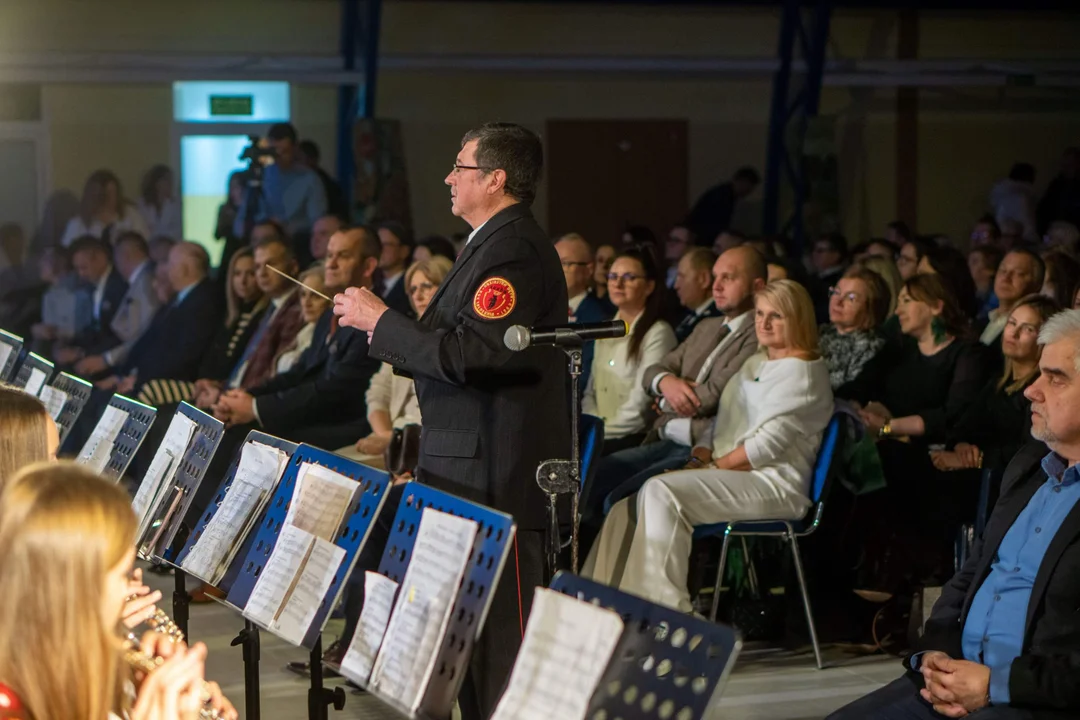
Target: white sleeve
column 630, row 417
column 378, row 392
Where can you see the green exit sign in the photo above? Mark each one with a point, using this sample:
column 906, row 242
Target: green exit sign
column 232, row 105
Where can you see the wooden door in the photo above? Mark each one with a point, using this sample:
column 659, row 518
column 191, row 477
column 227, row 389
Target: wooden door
column 604, row 175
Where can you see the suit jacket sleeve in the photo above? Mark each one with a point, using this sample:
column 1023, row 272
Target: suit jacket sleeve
column 193, row 329
column 347, row 371
column 672, row 363
column 725, row 367
column 475, row 345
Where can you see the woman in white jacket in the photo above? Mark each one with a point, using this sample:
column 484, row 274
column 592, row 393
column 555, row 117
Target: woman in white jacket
column 770, row 423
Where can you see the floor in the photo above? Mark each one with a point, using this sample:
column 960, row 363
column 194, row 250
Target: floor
column 766, row 684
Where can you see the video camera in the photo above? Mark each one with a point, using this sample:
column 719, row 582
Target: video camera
column 258, row 154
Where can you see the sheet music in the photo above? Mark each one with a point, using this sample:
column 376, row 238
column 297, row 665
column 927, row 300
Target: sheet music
column 256, row 475
column 320, row 500
column 379, row 592
column 278, row 575
column 408, row 653
column 162, row 468
column 566, row 649
column 54, row 400
column 5, row 353
column 35, row 382
column 98, row 448
column 311, row 587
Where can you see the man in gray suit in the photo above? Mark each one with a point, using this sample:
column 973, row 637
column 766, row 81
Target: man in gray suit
column 687, row 383
column 132, row 259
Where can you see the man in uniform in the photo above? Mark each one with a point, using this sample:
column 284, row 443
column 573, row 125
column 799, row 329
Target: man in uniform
column 490, row 415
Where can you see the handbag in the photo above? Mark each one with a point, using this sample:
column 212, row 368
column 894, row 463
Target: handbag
column 403, row 452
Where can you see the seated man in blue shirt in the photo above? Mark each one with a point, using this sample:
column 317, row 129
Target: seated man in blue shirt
column 1003, row 641
column 292, row 193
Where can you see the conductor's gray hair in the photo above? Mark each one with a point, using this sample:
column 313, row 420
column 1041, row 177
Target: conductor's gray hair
column 1063, row 326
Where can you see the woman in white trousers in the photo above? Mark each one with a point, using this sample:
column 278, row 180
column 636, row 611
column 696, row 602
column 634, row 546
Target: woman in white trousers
column 766, row 436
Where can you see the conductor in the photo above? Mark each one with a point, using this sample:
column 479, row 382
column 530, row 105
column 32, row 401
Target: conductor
column 490, row 415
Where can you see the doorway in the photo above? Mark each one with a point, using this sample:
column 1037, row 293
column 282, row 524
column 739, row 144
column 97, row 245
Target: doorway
column 605, row 175
column 24, row 156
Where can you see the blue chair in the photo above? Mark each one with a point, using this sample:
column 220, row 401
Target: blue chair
column 790, row 530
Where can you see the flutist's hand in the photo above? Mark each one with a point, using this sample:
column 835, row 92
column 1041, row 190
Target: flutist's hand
column 155, row 644
column 359, row 308
column 174, row 690
column 141, row 604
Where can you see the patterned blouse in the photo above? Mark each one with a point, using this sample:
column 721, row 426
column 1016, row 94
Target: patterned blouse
column 847, row 355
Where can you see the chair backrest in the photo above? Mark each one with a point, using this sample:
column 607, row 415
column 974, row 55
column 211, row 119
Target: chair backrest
column 830, row 440
column 591, row 431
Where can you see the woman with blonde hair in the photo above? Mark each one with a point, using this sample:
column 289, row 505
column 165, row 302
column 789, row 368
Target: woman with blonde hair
column 769, row 425
column 27, row 433
column 312, row 306
column 885, row 267
column 62, row 651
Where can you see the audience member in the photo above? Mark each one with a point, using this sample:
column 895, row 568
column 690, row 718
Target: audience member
column 897, row 233
column 687, row 384
column 1061, row 201
column 986, row 232
column 911, row 254
column 160, row 247
column 640, row 236
column 312, row 307
column 777, row 270
column 679, row 240
column 605, row 256
column 885, row 268
column 726, row 240
column 999, row 641
column 391, row 399
column 757, row 463
column 321, row 233
column 983, row 262
column 135, row 312
column 828, row 260
column 1061, row 278
column 1021, row 273
column 693, row 286
column 397, row 247
column 291, row 193
column 309, row 155
column 103, row 211
column 1013, row 200
column 27, row 434
column 1063, row 236
column 225, row 229
column 615, row 392
column 12, row 255
column 713, row 211
column 584, row 307
column 952, row 266
column 432, row 246
column 182, row 330
column 66, row 304
column 92, row 260
column 70, row 531
column 60, row 207
column 158, row 204
column 998, row 422
column 851, row 342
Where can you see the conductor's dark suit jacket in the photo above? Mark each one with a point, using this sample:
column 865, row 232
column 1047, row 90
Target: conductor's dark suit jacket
column 321, row 400
column 1046, row 675
column 490, row 415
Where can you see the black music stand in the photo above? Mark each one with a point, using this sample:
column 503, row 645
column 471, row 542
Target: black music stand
column 33, row 362
column 140, row 418
column 486, row 561
column 13, row 344
column 351, row 537
column 78, row 393
column 248, row 637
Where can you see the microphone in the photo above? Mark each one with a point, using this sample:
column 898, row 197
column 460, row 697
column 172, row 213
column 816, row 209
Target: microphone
column 519, row 337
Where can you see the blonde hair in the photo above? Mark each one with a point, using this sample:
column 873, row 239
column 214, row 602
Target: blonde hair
column 435, row 269
column 62, row 529
column 794, row 304
column 233, row 303
column 886, row 268
column 24, row 431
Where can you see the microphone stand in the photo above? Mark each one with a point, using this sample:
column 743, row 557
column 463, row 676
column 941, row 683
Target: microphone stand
column 557, row 477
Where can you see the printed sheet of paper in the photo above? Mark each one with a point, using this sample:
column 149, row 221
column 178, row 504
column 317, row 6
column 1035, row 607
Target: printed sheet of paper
column 320, row 500
column 95, row 453
column 422, row 612
column 379, row 592
column 307, row 594
column 566, row 649
column 35, row 382
column 5, row 354
column 278, row 575
column 159, row 476
column 54, row 400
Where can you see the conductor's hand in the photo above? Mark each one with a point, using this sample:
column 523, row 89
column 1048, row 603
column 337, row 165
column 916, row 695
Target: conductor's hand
column 680, row 395
column 359, row 308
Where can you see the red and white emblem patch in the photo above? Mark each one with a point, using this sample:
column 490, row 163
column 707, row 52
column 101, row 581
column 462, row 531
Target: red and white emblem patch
column 494, row 299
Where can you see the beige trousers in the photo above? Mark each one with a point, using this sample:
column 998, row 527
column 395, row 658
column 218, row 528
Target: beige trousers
column 649, row 557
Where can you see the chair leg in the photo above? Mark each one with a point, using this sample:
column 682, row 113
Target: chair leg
column 719, row 577
column 805, row 597
column 751, row 570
